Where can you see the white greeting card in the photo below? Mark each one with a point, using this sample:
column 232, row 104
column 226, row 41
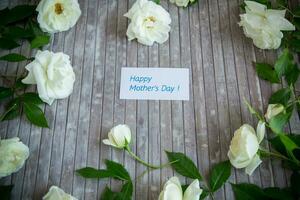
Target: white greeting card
column 154, row 83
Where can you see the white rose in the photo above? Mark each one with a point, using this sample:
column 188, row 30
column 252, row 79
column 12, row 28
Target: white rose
column 57, row 15
column 244, row 146
column 119, row 136
column 172, row 190
column 264, row 25
column 55, row 193
column 273, row 110
column 53, row 74
column 13, row 155
column 183, row 3
column 149, row 23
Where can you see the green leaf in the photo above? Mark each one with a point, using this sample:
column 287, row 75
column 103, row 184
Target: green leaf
column 275, row 193
column 283, row 63
column 219, row 175
column 89, row 172
column 295, row 183
column 125, row 194
column 13, row 110
column 13, row 57
column 35, row 29
column 290, row 146
column 31, row 97
column 5, row 93
column 292, row 75
column 8, row 44
column 279, row 146
column 40, row 41
column 281, row 96
column 267, row 72
column 290, row 165
column 35, row 115
column 127, row 190
column 17, row 13
column 278, row 122
column 108, row 194
column 204, row 194
column 16, row 32
column 246, row 191
column 117, row 170
column 5, row 191
column 19, row 85
column 296, row 153
column 157, row 1
column 282, row 2
column 184, row 165
column 294, row 43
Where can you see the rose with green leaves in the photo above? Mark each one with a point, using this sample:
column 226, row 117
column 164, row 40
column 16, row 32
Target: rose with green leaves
column 244, row 147
column 119, row 136
column 173, row 191
column 264, row 25
column 55, row 193
column 13, row 154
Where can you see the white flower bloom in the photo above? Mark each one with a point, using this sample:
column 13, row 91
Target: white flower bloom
column 181, row 3
column 13, row 155
column 273, row 110
column 53, row 74
column 118, row 136
column 57, row 15
column 172, row 190
column 55, row 193
column 149, row 23
column 244, row 146
column 264, row 25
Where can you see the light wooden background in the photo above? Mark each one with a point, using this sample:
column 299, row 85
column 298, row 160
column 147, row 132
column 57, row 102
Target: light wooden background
column 204, row 38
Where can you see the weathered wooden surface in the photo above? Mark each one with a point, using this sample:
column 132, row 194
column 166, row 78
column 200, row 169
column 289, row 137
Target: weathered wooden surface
column 204, row 38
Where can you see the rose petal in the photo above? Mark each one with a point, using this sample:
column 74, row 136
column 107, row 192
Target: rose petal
column 255, row 162
column 193, row 191
column 260, row 131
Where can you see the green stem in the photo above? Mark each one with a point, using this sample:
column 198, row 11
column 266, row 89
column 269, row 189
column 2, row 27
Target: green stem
column 153, row 167
column 275, row 154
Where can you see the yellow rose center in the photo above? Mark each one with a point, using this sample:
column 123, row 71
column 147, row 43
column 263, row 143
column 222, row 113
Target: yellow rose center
column 58, row 8
column 149, row 21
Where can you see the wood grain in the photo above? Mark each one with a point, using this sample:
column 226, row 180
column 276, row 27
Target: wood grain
column 204, row 38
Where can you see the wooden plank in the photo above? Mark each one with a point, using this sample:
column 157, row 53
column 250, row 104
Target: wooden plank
column 91, row 187
column 233, row 102
column 204, row 38
column 142, row 134
column 243, row 92
column 165, row 112
column 130, row 110
column 154, row 132
column 109, row 84
column 119, row 104
column 176, row 106
column 75, row 42
column 198, row 89
column 85, row 98
column 218, row 23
